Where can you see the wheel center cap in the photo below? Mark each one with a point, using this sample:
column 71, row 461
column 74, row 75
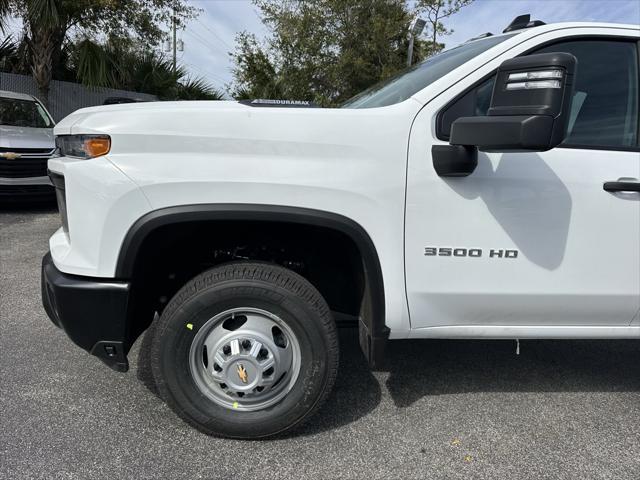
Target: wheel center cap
column 241, row 373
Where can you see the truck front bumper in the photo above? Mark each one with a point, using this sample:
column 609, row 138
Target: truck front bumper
column 28, row 188
column 91, row 311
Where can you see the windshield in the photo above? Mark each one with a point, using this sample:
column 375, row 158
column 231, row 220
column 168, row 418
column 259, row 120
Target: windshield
column 397, row 89
column 23, row 113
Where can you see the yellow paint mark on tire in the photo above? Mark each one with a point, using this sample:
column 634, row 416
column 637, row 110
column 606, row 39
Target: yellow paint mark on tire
column 235, row 404
column 190, row 326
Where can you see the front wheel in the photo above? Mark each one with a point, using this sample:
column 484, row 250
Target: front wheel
column 245, row 350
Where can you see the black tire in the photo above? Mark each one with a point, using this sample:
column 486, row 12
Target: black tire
column 269, row 287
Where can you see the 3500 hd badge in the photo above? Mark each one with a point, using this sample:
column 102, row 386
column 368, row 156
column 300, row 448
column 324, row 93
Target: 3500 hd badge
column 469, row 252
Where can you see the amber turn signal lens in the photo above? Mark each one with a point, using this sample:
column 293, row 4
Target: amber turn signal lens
column 96, row 146
column 83, row 146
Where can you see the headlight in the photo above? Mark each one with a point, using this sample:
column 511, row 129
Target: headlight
column 83, row 146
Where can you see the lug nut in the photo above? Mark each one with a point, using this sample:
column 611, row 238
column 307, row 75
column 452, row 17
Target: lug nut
column 226, row 349
column 246, row 344
column 263, row 353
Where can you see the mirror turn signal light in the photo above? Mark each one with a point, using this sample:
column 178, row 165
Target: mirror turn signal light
column 535, row 79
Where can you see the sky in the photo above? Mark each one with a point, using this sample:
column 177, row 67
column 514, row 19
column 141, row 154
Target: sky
column 209, row 39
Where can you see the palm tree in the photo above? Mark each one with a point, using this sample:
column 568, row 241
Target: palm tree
column 195, row 89
column 117, row 63
column 45, row 30
column 4, row 14
column 48, row 23
column 128, row 66
column 14, row 56
column 8, row 50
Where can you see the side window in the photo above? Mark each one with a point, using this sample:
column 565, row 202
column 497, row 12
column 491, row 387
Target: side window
column 474, row 103
column 604, row 110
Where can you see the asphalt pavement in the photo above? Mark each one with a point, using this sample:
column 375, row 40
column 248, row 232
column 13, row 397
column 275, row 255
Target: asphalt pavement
column 439, row 410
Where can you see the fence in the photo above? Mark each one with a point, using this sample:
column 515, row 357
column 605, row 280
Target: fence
column 65, row 97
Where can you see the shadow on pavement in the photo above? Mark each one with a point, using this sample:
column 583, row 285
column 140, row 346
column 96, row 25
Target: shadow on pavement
column 419, row 368
column 356, row 392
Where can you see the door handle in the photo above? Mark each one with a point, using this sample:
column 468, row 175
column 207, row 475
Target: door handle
column 622, row 186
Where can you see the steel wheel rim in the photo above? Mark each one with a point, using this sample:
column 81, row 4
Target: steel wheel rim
column 245, row 359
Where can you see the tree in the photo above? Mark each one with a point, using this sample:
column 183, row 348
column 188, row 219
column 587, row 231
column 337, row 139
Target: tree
column 48, row 24
column 4, row 13
column 255, row 74
column 130, row 65
column 324, row 50
column 121, row 63
column 13, row 56
column 436, row 11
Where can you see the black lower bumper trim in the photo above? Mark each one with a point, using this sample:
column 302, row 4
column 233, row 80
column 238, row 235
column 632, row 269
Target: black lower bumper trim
column 19, row 193
column 111, row 353
column 91, row 311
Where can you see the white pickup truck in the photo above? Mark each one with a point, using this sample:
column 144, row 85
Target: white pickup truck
column 490, row 191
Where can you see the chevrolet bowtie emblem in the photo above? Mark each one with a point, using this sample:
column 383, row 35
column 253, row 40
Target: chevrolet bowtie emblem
column 242, row 373
column 10, row 155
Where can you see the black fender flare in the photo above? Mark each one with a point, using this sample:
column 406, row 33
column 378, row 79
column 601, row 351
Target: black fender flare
column 373, row 331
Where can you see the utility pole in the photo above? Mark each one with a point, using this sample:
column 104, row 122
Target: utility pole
column 173, row 29
column 410, row 52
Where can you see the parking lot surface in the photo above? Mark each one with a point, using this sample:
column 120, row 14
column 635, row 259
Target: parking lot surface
column 440, row 409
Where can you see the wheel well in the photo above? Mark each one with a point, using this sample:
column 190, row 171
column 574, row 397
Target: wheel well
column 170, row 254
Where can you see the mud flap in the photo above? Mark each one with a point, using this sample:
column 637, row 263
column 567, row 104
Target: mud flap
column 372, row 347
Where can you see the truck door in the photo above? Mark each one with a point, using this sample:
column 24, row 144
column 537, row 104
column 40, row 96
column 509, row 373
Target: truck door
column 532, row 239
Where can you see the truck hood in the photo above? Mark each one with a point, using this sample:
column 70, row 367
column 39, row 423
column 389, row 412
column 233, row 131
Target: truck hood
column 229, row 134
column 79, row 117
column 224, row 119
column 26, row 137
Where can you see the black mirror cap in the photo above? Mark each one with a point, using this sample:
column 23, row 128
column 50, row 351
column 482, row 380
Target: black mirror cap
column 526, row 113
column 513, row 133
column 454, row 160
column 506, row 100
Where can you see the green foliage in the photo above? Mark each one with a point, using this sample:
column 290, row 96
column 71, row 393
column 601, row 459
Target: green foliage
column 4, row 13
column 325, row 50
column 14, row 56
column 256, row 76
column 7, row 54
column 434, row 11
column 195, row 89
column 50, row 24
column 118, row 63
column 127, row 65
column 95, row 65
column 142, row 18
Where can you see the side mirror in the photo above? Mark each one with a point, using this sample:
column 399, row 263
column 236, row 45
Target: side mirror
column 529, row 109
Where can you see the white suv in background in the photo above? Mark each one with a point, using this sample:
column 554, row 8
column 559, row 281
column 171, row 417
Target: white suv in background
column 489, row 192
column 26, row 144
